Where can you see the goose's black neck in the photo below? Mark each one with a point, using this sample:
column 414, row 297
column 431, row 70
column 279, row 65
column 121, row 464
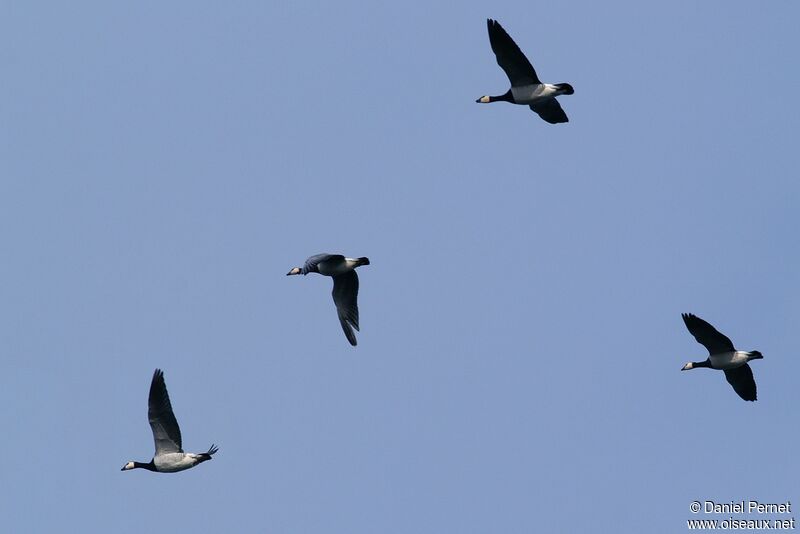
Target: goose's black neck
column 150, row 466
column 507, row 97
column 706, row 363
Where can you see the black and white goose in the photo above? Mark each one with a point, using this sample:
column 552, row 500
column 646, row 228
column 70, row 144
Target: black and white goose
column 526, row 88
column 723, row 356
column 169, row 456
column 345, row 286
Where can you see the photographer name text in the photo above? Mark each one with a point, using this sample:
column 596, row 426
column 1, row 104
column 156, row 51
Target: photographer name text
column 741, row 507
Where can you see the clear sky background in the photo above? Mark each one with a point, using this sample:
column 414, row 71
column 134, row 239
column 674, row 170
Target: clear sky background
column 518, row 369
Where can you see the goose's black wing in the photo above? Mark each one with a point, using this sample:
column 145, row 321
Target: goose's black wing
column 742, row 381
column 707, row 335
column 311, row 263
column 345, row 296
column 166, row 432
column 550, row 111
column 510, row 58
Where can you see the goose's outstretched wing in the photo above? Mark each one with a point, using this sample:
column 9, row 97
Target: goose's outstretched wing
column 345, row 296
column 741, row 378
column 707, row 335
column 166, row 432
column 311, row 263
column 550, row 111
column 519, row 70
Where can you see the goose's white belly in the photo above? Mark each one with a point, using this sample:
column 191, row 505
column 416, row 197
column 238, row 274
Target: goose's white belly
column 528, row 94
column 728, row 360
column 173, row 462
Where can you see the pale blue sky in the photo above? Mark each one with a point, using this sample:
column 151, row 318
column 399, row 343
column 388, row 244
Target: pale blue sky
column 518, row 367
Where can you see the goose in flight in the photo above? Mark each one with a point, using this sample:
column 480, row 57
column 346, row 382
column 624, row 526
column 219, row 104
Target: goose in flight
column 526, row 88
column 722, row 356
column 169, row 456
column 345, row 286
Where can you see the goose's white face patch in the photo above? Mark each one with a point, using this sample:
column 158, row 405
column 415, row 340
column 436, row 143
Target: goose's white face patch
column 484, row 99
column 129, row 465
column 687, row 366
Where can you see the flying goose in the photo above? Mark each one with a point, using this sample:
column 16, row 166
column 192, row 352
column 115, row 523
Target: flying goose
column 169, row 456
column 345, row 286
column 723, row 356
column 526, row 88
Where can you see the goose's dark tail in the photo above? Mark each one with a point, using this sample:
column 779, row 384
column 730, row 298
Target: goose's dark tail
column 203, row 456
